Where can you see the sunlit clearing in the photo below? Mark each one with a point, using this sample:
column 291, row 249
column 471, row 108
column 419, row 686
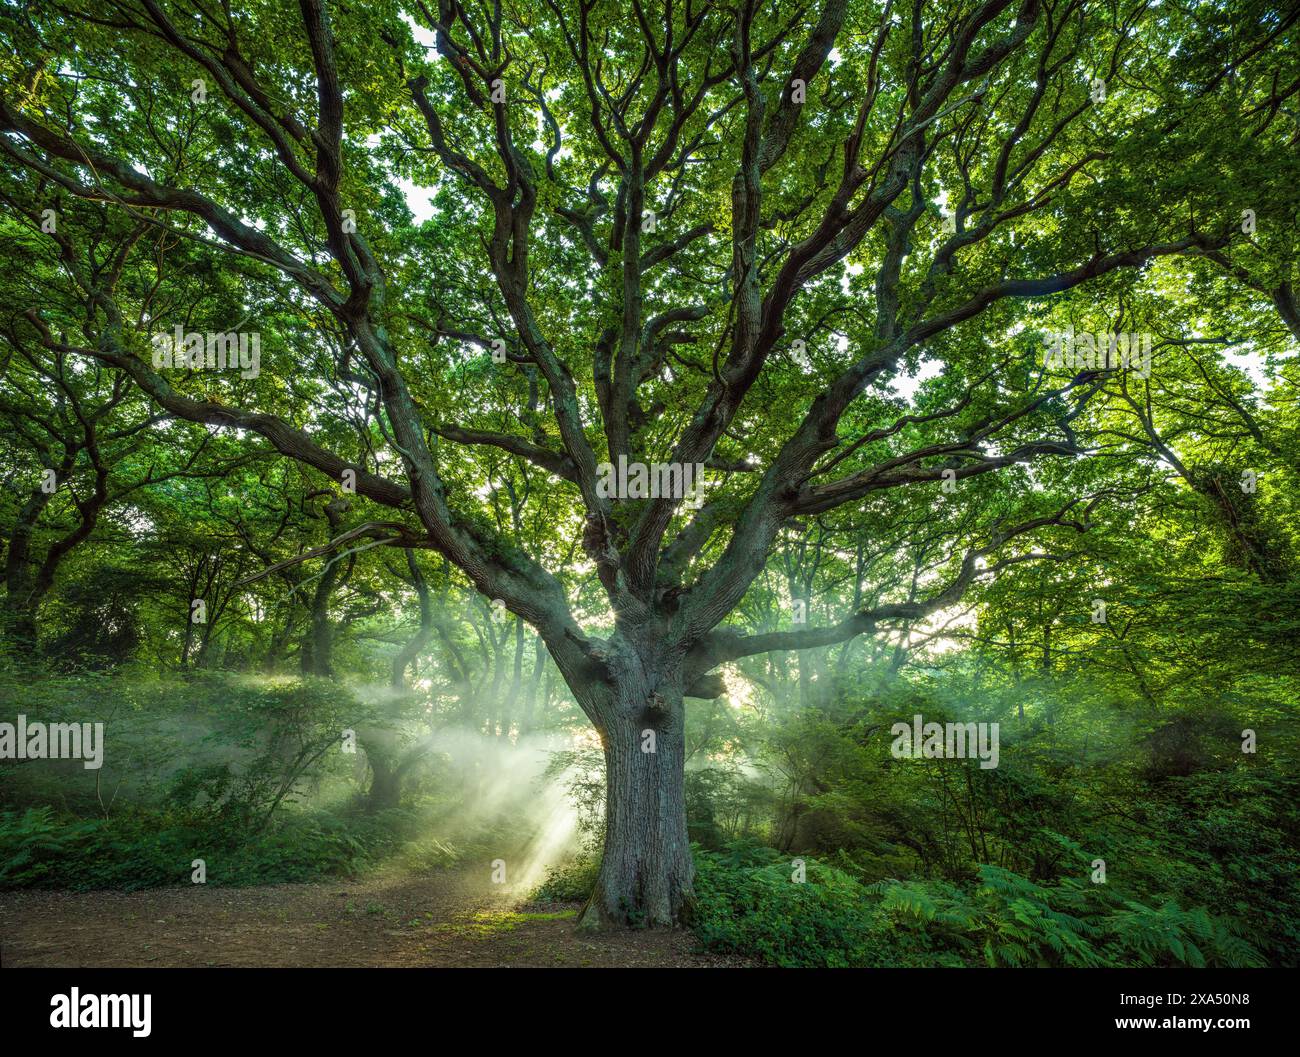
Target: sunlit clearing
column 556, row 835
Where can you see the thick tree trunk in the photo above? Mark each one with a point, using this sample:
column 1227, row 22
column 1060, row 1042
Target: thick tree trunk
column 18, row 615
column 1285, row 299
column 646, row 876
column 385, row 783
column 21, row 603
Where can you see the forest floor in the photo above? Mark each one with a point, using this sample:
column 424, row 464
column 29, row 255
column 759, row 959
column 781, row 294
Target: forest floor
column 444, row 918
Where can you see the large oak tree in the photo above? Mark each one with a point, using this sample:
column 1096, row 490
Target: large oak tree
column 687, row 233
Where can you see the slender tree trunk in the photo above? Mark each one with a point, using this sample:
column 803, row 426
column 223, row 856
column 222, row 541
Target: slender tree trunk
column 511, row 705
column 530, row 695
column 498, row 670
column 25, row 591
column 388, row 764
column 280, row 642
column 187, row 640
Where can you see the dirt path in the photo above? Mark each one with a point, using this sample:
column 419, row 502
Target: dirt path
column 442, row 919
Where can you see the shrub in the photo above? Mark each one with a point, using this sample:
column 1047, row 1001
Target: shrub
column 749, row 904
column 569, row 882
column 39, row 849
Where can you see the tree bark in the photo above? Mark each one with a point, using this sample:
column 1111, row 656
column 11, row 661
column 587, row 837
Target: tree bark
column 19, row 580
column 646, row 877
column 386, row 779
